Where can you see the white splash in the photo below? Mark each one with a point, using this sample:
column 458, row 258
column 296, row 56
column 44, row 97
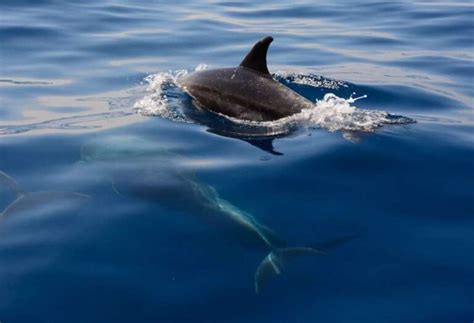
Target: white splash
column 157, row 101
column 309, row 79
column 201, row 67
column 333, row 113
column 164, row 99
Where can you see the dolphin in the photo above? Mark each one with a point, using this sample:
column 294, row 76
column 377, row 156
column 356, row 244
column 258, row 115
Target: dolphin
column 140, row 167
column 186, row 193
column 246, row 92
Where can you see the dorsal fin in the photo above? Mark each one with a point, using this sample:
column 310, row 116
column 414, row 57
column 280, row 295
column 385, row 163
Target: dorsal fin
column 256, row 59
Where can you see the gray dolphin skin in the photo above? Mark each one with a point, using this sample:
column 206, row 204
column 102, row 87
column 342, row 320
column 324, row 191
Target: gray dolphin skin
column 246, row 92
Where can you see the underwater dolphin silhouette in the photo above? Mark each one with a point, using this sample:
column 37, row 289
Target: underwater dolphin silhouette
column 127, row 158
column 246, row 92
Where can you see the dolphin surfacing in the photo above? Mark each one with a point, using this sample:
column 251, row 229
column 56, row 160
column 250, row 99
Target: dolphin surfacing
column 246, row 92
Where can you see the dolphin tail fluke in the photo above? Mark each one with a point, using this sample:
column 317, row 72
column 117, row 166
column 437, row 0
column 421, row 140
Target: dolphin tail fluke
column 10, row 183
column 273, row 264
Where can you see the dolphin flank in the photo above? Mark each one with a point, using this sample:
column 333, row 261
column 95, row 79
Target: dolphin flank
column 246, row 92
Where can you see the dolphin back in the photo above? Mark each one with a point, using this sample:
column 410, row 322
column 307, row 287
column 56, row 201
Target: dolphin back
column 243, row 93
column 246, row 92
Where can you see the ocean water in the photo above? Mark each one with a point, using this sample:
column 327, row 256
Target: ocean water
column 123, row 202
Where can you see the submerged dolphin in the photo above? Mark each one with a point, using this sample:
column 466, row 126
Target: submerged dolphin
column 140, row 168
column 246, row 92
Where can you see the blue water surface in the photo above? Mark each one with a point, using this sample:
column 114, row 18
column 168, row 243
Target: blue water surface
column 117, row 193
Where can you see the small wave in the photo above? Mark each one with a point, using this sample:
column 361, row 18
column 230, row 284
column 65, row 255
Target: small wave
column 166, row 99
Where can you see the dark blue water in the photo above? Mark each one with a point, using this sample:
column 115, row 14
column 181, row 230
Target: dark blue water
column 119, row 197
